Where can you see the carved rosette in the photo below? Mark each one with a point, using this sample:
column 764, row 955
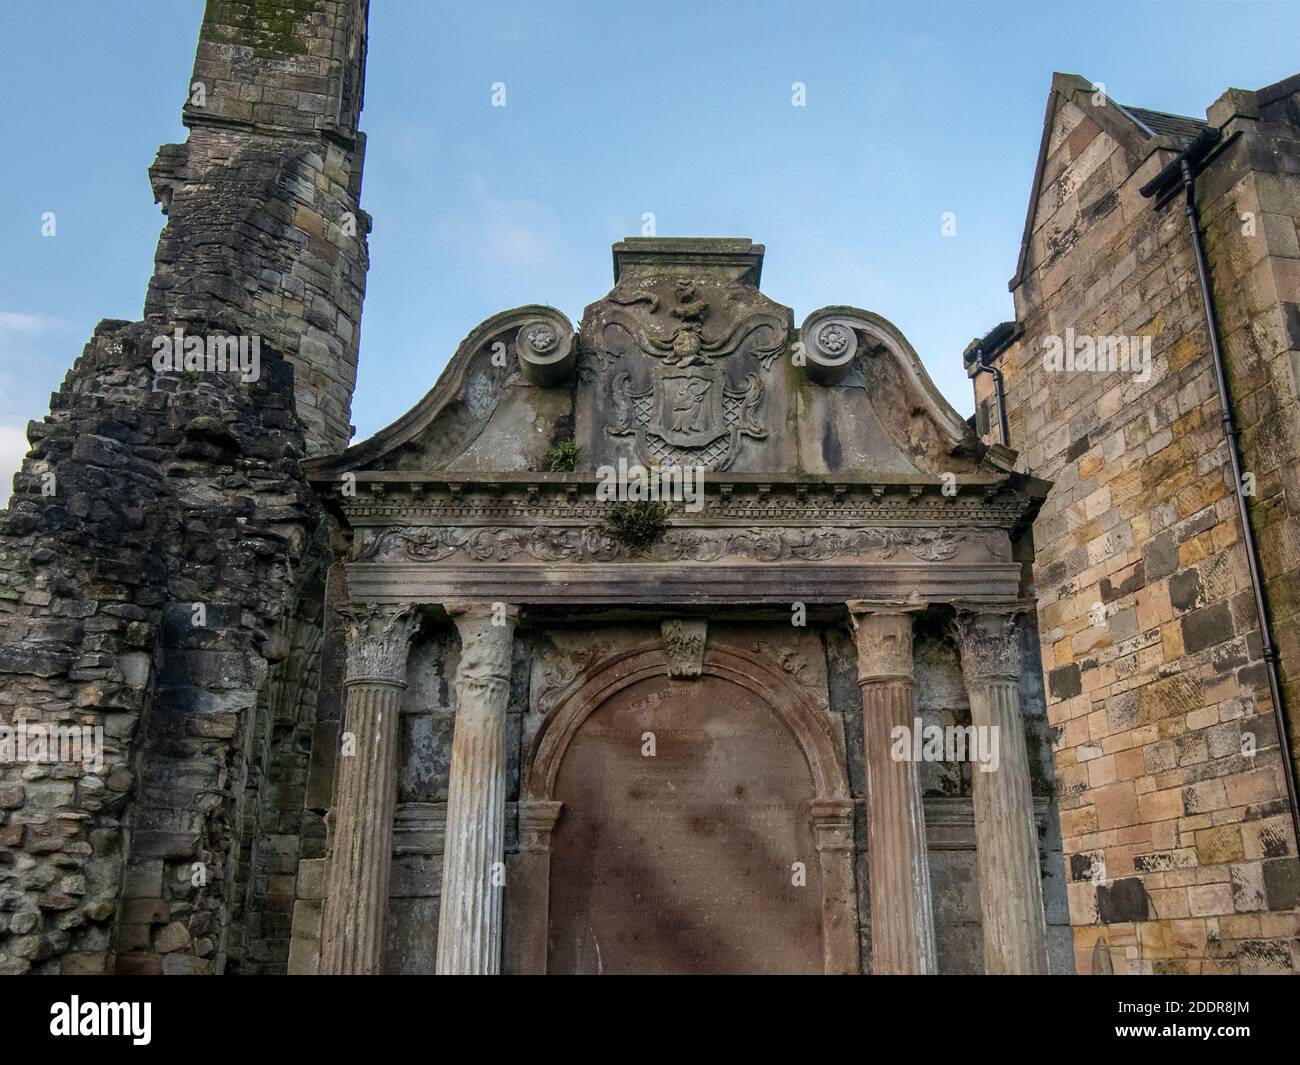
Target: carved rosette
column 378, row 638
column 830, row 344
column 545, row 348
column 684, row 645
column 989, row 642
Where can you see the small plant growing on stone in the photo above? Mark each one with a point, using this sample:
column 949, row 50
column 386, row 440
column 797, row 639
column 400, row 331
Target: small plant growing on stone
column 563, row 457
column 637, row 524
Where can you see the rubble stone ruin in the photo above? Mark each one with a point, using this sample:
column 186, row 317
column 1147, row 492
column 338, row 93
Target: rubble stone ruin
column 438, row 702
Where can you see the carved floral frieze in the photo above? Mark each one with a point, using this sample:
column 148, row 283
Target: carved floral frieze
column 590, row 544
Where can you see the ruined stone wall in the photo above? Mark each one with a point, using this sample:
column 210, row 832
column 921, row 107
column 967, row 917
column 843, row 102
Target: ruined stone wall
column 265, row 227
column 163, row 494
column 1178, row 847
column 160, row 561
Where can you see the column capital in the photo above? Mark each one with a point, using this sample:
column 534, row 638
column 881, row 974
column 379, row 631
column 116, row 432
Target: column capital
column 474, row 610
column 988, row 639
column 486, row 640
column 378, row 638
column 537, row 818
column 861, row 607
column 832, row 824
column 883, row 634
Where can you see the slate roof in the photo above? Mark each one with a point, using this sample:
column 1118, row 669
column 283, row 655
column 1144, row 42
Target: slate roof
column 1160, row 124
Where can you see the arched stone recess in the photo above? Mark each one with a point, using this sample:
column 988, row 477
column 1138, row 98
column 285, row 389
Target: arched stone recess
column 830, row 810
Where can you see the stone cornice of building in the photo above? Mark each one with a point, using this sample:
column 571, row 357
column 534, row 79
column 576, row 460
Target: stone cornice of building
column 539, row 539
column 406, row 498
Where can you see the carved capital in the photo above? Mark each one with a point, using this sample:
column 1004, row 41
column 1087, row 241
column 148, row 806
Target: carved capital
column 486, row 638
column 378, row 638
column 832, row 824
column 684, row 641
column 988, row 640
column 537, row 820
column 883, row 635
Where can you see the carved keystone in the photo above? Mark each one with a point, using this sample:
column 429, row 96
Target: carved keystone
column 684, row 645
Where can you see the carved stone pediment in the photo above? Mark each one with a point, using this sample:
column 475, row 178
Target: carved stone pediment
column 833, row 469
column 685, row 362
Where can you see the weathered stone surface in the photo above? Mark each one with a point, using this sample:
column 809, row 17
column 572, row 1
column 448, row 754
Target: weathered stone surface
column 1150, row 637
column 707, row 831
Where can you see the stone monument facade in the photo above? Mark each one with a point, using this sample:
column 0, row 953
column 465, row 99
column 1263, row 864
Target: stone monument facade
column 437, row 703
column 678, row 749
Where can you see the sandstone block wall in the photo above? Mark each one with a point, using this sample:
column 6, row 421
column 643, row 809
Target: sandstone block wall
column 1178, row 844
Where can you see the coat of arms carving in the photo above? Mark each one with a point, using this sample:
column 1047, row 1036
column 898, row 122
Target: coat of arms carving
column 677, row 401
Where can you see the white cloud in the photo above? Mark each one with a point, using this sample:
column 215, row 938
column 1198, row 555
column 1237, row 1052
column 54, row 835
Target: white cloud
column 507, row 233
column 35, row 353
column 30, row 324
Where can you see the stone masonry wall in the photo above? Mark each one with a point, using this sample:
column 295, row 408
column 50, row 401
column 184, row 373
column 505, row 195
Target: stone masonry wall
column 144, row 495
column 265, row 224
column 162, row 560
column 1177, row 839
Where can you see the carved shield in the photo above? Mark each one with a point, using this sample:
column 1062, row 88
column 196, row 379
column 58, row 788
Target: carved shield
column 690, row 408
column 688, row 417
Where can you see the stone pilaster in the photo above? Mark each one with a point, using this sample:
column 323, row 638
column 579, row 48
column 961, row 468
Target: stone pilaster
column 902, row 919
column 833, row 832
column 1006, row 837
column 530, row 888
column 469, row 925
column 356, row 904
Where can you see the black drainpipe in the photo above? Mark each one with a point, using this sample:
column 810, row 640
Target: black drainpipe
column 987, row 348
column 1181, row 173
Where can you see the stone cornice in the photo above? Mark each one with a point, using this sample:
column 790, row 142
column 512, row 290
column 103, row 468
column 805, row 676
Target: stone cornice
column 402, row 499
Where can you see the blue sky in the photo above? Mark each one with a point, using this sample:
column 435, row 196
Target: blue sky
column 613, row 110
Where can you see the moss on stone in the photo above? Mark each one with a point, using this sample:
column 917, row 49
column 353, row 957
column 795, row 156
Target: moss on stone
column 270, row 27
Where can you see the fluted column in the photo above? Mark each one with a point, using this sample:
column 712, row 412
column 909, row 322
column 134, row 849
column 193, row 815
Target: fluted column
column 902, row 919
column 469, row 924
column 1006, row 837
column 356, row 902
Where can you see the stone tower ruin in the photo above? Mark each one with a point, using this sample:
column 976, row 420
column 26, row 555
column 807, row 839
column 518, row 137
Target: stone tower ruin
column 162, row 561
